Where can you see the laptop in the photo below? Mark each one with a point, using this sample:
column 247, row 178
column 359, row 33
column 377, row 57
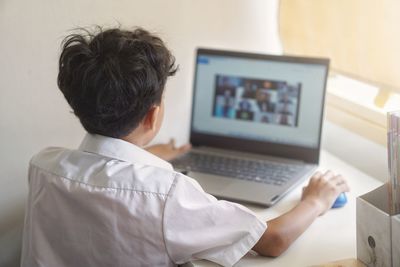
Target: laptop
column 256, row 124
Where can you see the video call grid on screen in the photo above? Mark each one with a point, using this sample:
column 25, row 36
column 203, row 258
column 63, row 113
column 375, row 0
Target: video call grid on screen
column 259, row 99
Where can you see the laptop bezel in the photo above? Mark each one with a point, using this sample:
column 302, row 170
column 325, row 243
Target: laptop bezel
column 309, row 155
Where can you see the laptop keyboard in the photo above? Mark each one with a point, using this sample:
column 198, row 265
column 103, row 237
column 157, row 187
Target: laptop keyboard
column 267, row 172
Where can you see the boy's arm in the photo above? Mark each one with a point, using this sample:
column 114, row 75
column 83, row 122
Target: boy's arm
column 318, row 197
column 168, row 151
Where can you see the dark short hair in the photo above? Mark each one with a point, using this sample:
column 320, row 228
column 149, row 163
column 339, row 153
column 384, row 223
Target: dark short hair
column 111, row 78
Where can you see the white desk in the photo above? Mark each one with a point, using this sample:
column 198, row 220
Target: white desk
column 331, row 237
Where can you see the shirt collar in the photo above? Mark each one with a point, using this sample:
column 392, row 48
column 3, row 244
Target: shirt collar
column 121, row 150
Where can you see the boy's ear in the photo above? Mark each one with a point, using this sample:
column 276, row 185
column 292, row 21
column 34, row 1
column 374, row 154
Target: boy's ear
column 150, row 120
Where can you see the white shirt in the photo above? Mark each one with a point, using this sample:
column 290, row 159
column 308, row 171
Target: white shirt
column 111, row 203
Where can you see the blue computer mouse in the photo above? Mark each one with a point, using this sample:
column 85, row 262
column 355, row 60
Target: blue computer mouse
column 340, row 201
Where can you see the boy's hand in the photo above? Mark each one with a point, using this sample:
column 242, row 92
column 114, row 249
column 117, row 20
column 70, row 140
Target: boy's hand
column 323, row 189
column 168, row 151
column 317, row 198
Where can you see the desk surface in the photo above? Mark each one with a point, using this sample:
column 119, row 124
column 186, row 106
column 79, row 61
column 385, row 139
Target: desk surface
column 331, row 237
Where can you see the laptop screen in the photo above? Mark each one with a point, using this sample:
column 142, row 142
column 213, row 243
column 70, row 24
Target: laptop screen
column 260, row 98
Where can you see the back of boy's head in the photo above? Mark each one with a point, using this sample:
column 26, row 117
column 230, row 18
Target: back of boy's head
column 112, row 78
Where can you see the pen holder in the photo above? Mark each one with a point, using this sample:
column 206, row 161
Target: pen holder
column 378, row 233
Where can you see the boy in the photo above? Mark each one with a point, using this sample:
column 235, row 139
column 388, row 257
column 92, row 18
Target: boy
column 112, row 203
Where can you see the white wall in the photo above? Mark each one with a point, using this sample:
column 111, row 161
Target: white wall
column 356, row 150
column 33, row 114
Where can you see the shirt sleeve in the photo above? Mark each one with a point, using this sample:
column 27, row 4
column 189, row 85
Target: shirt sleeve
column 198, row 226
